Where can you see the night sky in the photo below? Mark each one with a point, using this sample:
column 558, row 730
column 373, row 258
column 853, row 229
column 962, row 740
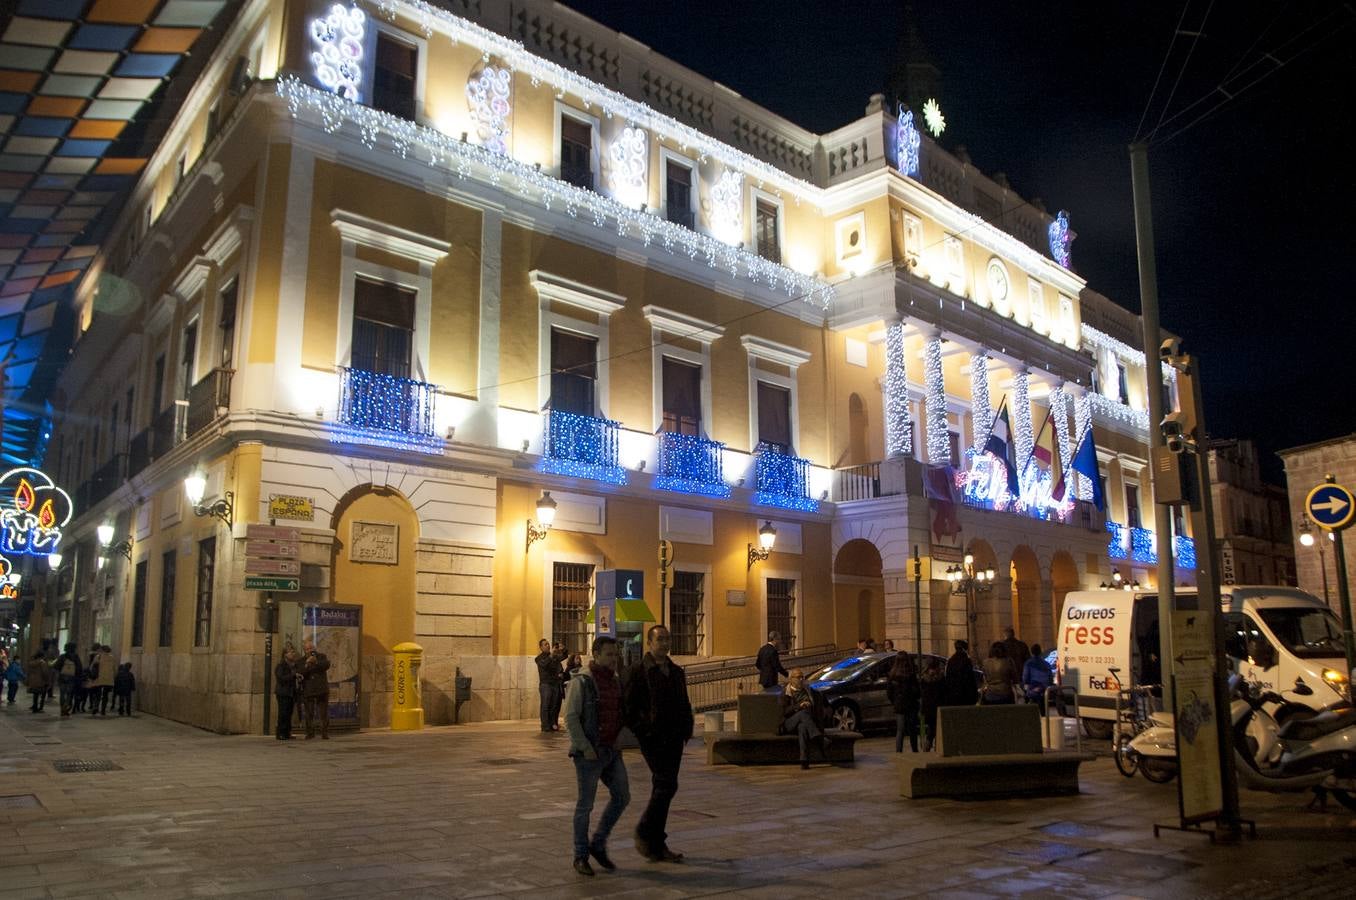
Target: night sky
column 1251, row 206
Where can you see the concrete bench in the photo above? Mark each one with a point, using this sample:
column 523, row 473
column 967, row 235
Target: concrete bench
column 989, row 751
column 756, row 741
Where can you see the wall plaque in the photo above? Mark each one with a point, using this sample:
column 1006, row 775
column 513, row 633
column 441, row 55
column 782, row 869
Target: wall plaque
column 374, row 542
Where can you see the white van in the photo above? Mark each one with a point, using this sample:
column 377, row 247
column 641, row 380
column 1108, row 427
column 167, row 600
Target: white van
column 1277, row 636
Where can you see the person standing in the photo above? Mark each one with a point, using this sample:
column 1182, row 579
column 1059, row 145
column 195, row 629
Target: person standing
column 285, row 689
column 315, row 689
column 1000, row 679
column 798, row 715
column 548, row 683
column 660, row 713
column 14, row 674
column 70, row 671
column 905, row 695
column 1037, row 677
column 593, row 719
column 959, row 687
column 1016, row 650
column 124, row 683
column 930, row 697
column 38, row 680
column 770, row 662
column 101, row 681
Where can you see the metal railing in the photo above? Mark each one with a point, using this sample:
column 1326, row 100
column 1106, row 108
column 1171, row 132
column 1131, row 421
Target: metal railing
column 690, row 465
column 210, row 394
column 379, row 402
column 857, row 482
column 717, row 684
column 782, row 479
column 139, row 452
column 105, row 480
column 168, row 428
column 584, row 446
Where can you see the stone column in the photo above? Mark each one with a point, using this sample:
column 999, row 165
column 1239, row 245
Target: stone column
column 939, row 444
column 1021, row 418
column 898, row 428
column 981, row 407
column 1059, row 411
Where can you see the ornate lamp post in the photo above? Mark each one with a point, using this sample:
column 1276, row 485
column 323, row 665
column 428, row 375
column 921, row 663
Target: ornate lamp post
column 970, row 581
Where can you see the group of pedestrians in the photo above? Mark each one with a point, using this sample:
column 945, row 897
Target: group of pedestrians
column 651, row 699
column 303, row 676
column 81, row 684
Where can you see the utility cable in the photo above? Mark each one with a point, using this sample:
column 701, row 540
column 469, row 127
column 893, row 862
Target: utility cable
column 1148, row 104
column 1167, row 104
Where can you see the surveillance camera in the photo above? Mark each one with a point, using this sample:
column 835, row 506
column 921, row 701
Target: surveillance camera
column 1177, row 444
column 1170, row 348
column 1173, row 424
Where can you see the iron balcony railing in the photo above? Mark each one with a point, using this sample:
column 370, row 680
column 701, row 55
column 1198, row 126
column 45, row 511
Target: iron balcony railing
column 690, row 465
column 1118, row 547
column 717, row 685
column 169, row 428
column 1184, row 552
column 105, row 480
column 857, row 482
column 782, row 479
column 139, row 452
column 207, row 398
column 386, row 410
column 582, row 446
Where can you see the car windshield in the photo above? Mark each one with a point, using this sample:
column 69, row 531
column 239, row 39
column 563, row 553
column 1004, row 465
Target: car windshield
column 840, row 671
column 1307, row 632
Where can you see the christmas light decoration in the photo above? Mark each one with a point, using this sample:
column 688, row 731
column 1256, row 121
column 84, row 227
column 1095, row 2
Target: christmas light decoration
column 470, row 160
column 36, row 512
column 781, row 480
column 898, row 428
column 386, row 411
column 1022, row 430
column 691, row 465
column 1116, row 411
column 981, row 407
column 337, row 60
column 1184, row 551
column 932, row 115
column 489, row 96
column 939, row 440
column 1082, row 422
column 1119, row 545
column 907, row 142
column 1061, row 238
column 1142, row 549
column 726, row 200
column 1059, row 411
column 581, row 446
column 628, row 154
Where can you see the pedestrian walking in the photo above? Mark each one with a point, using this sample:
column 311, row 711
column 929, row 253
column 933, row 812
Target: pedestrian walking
column 101, row 681
column 14, row 675
column 905, row 693
column 1016, row 649
column 798, row 716
column 70, row 673
column 1000, row 679
column 930, row 686
column 285, row 689
column 770, row 662
column 548, row 683
column 959, row 687
column 124, row 683
column 315, row 689
column 593, row 720
column 38, row 680
column 660, row 713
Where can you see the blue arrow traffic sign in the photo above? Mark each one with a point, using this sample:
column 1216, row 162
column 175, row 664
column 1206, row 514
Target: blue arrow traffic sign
column 1330, row 506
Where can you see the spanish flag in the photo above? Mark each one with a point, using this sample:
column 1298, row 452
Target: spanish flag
column 1045, row 452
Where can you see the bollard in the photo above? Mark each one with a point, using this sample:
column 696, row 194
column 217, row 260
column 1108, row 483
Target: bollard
column 407, row 712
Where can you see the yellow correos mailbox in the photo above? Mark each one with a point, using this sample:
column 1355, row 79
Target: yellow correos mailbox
column 407, row 712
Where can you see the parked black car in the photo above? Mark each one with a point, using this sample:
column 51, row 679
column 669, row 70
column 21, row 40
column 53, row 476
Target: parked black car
column 854, row 689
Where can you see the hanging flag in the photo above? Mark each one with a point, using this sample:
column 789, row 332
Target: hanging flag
column 1045, row 452
column 1085, row 463
column 939, row 486
column 1000, row 445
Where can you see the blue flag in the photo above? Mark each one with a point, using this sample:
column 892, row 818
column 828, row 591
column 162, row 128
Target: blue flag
column 1000, row 445
column 1085, row 463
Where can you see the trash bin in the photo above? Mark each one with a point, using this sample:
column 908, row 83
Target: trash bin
column 407, row 710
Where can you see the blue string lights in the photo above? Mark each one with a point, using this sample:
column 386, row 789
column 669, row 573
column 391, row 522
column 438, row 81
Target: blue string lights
column 386, row 411
column 581, row 447
column 1119, row 545
column 691, row 465
column 1142, row 546
column 781, row 479
column 1184, row 550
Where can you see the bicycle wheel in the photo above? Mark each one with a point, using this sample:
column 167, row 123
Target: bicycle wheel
column 1127, row 760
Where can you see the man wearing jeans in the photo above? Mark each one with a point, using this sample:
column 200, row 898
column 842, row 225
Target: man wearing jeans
column 593, row 719
column 660, row 713
column 548, row 684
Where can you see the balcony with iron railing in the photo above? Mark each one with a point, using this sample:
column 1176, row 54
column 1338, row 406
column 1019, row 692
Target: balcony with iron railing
column 781, row 479
column 582, row 446
column 168, row 428
column 207, row 399
column 386, row 411
column 690, row 464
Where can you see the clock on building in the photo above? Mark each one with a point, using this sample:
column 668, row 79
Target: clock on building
column 998, row 282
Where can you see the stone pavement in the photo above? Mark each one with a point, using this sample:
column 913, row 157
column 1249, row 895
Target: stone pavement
column 484, row 810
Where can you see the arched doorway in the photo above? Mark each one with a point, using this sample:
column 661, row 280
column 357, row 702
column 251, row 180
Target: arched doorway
column 373, row 566
column 858, row 594
column 1063, row 578
column 858, row 428
column 1025, row 615
column 987, row 611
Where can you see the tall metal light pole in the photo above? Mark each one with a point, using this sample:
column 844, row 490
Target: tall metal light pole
column 1306, row 539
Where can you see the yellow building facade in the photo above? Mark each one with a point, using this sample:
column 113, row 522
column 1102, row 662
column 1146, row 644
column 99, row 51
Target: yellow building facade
column 417, row 272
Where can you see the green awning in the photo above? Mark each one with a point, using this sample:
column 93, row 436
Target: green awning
column 628, row 611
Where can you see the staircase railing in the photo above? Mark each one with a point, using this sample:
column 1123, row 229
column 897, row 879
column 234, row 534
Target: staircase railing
column 717, row 684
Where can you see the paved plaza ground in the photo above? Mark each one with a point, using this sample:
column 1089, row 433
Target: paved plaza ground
column 484, row 810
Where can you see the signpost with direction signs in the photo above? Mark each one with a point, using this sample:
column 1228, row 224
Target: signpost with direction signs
column 272, row 558
column 1332, row 507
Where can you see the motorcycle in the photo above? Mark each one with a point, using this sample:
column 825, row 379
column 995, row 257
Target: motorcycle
column 1154, row 750
column 1316, row 751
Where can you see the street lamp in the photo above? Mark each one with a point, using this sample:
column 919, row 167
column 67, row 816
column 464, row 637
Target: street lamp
column 546, row 514
column 767, row 538
column 1306, row 538
column 195, row 486
column 53, row 561
column 105, row 533
column 970, row 581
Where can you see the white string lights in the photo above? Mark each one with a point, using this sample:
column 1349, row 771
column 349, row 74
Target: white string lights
column 907, row 142
column 628, row 153
column 1059, row 411
column 337, row 60
column 1021, row 417
column 898, row 428
column 1082, row 422
column 489, row 95
column 981, row 407
column 939, row 440
column 726, row 199
column 403, row 137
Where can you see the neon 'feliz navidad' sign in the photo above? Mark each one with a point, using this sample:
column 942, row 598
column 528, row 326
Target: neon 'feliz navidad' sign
column 31, row 522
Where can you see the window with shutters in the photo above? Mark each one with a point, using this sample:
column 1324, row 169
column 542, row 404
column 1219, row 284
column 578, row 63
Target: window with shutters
column 394, row 76
column 682, row 397
column 571, row 599
column 207, row 566
column 774, row 416
column 574, row 372
column 383, row 327
column 781, row 608
column 576, row 151
column 230, row 299
column 167, row 574
column 766, row 234
column 139, row 605
column 678, row 193
column 686, row 618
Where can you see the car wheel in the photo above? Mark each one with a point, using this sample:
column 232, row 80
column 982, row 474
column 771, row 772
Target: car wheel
column 1097, row 729
column 845, row 717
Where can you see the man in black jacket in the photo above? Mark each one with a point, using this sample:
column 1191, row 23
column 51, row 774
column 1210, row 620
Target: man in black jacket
column 285, row 688
column 315, row 689
column 770, row 662
column 660, row 713
column 548, row 684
